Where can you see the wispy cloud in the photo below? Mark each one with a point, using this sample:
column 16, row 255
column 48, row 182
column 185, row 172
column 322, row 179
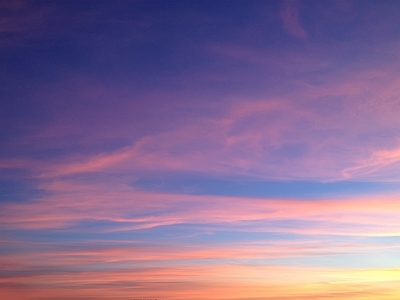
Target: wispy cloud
column 121, row 208
column 291, row 19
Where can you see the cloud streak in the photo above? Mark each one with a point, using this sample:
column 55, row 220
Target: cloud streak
column 127, row 209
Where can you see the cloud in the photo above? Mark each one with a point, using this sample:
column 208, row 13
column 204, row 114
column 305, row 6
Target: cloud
column 334, row 130
column 215, row 282
column 116, row 207
column 291, row 19
column 322, row 126
column 379, row 163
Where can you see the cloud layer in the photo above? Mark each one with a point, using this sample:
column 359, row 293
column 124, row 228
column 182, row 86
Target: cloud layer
column 199, row 150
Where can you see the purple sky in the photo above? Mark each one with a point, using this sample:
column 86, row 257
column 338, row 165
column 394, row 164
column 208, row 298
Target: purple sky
column 205, row 150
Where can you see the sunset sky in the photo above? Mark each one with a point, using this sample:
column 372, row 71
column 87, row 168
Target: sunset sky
column 200, row 150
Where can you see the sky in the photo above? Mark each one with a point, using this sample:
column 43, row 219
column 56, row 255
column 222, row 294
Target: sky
column 200, row 150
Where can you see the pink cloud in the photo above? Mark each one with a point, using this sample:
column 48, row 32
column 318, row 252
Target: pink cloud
column 378, row 164
column 128, row 209
column 134, row 252
column 306, row 134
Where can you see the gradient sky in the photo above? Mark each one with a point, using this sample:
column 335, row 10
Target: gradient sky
column 200, row 150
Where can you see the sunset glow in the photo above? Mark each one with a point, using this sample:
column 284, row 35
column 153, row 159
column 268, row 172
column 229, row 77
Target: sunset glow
column 200, row 150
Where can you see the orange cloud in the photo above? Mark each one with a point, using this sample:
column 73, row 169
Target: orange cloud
column 217, row 282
